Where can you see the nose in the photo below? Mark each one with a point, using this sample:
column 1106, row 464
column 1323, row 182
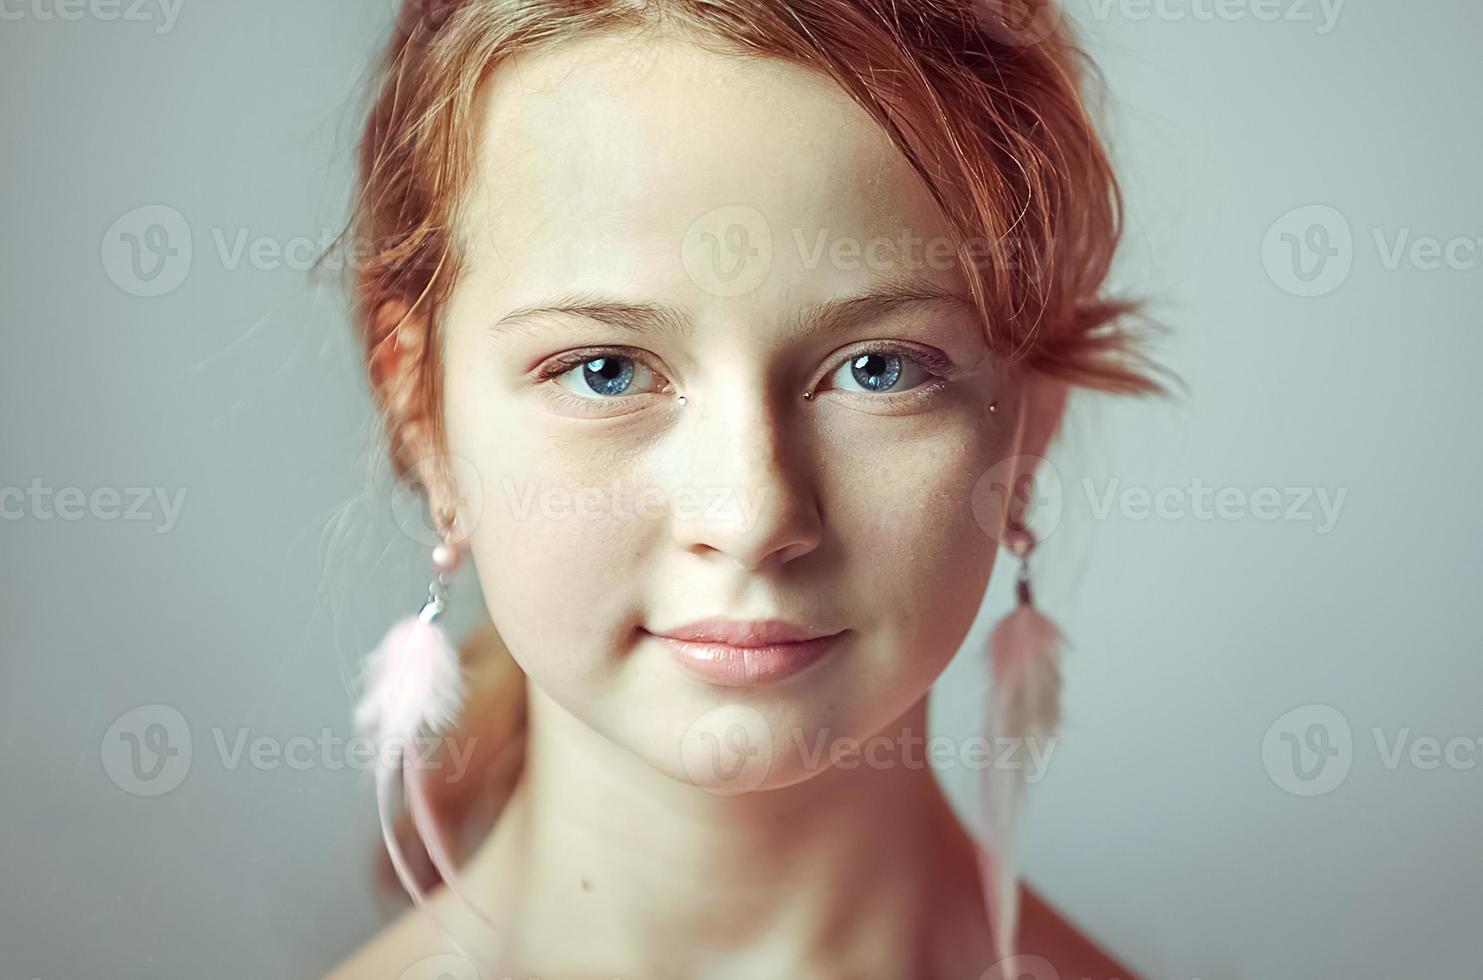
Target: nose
column 751, row 497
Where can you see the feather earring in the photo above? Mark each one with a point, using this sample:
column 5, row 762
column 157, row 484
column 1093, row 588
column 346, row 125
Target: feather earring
column 413, row 688
column 1024, row 703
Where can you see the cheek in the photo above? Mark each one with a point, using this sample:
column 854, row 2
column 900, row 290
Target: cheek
column 916, row 555
column 556, row 543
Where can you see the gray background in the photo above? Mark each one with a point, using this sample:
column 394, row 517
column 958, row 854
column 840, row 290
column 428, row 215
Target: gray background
column 1162, row 826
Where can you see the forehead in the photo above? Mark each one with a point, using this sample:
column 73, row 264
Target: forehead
column 602, row 161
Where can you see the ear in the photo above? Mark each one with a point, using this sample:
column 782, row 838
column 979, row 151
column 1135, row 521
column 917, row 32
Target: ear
column 1043, row 405
column 397, row 372
column 388, row 346
column 1042, row 408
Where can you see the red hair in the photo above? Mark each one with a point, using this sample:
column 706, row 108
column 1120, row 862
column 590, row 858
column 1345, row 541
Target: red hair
column 988, row 108
column 990, row 114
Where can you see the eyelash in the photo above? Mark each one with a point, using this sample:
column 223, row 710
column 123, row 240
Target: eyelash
column 936, row 364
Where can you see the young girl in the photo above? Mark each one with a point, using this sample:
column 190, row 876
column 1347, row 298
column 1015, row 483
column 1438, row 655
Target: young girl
column 714, row 331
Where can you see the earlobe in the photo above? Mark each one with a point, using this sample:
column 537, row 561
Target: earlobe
column 440, row 489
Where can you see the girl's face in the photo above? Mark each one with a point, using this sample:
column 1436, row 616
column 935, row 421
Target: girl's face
column 713, row 227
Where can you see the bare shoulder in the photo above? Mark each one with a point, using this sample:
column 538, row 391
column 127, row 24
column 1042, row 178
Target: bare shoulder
column 1046, row 932
column 409, row 940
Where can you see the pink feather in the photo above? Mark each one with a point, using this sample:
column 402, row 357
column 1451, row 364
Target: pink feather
column 413, row 687
column 1024, row 703
column 413, row 683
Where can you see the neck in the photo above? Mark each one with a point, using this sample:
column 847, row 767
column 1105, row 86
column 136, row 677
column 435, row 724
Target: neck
column 851, row 871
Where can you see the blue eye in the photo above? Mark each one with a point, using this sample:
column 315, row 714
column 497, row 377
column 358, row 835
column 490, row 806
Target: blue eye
column 878, row 372
column 602, row 377
column 606, row 375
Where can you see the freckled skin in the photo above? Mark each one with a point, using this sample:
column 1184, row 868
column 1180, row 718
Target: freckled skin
column 595, row 160
column 601, row 169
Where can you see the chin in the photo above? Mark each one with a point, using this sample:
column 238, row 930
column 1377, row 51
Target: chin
column 760, row 740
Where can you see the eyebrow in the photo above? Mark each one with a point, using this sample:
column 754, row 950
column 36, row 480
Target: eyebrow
column 661, row 319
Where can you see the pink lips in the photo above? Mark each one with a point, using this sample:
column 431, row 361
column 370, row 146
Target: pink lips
column 739, row 653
